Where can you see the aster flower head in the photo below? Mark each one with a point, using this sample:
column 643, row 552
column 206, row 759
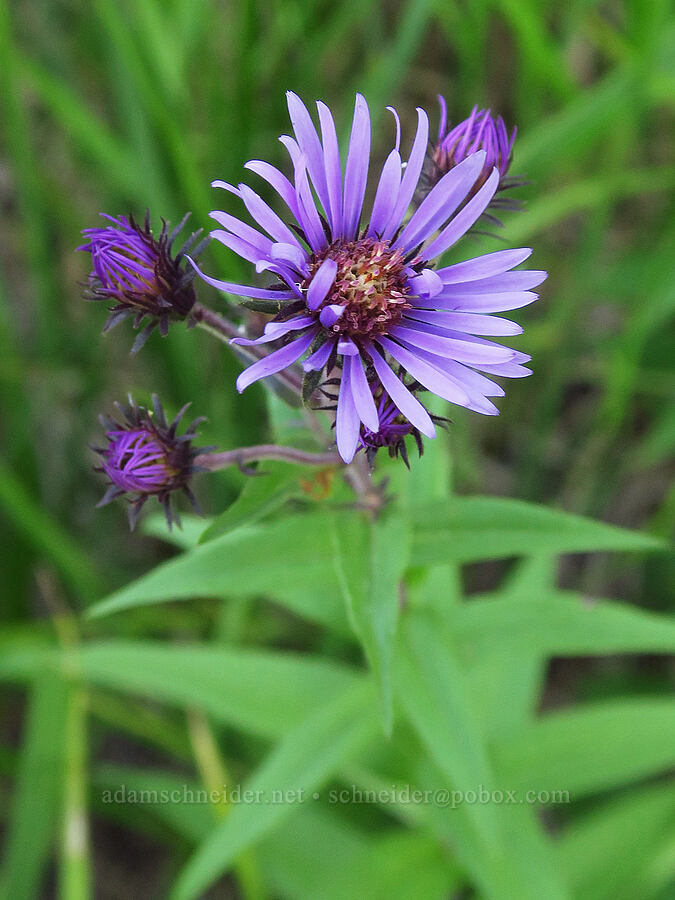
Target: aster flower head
column 480, row 131
column 359, row 292
column 146, row 457
column 140, row 274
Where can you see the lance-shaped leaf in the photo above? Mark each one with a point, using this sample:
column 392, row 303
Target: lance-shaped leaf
column 264, row 492
column 469, row 529
column 371, row 556
column 306, row 758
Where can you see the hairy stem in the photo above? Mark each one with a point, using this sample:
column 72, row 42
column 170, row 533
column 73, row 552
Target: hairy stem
column 214, row 322
column 244, row 455
column 224, row 330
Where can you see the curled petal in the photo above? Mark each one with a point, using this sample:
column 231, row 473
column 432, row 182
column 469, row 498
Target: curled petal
column 321, row 283
column 330, row 314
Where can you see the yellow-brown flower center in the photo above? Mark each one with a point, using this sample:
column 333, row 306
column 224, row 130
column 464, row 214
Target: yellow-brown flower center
column 370, row 284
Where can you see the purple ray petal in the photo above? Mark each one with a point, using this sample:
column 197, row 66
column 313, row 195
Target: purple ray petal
column 275, row 330
column 517, row 356
column 276, row 361
column 319, row 358
column 467, row 380
column 331, row 162
column 464, row 219
column 291, row 255
column 347, row 423
column 475, row 384
column 242, row 230
column 330, row 314
column 308, row 215
column 226, row 186
column 441, row 201
column 469, row 322
column 485, row 303
column 462, row 349
column 397, row 144
column 347, row 347
column 277, row 180
column 292, row 146
column 284, row 271
column 408, row 404
column 242, row 248
column 356, row 170
column 520, row 280
column 242, row 290
column 507, row 370
column 444, row 117
column 427, row 375
column 426, row 285
column 411, row 175
column 484, row 266
column 472, row 380
column 266, row 217
column 321, row 283
column 387, row 192
column 310, row 145
column 361, row 393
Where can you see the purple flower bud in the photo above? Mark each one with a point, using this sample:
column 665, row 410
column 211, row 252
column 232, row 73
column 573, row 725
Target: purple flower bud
column 141, row 275
column 145, row 457
column 481, row 131
column 394, row 427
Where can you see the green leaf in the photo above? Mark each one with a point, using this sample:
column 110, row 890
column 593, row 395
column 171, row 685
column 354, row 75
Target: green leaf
column 310, row 382
column 296, row 552
column 185, row 538
column 590, row 749
column 469, row 529
column 370, row 559
column 525, row 867
column 610, row 853
column 436, row 700
column 262, row 692
column 506, row 685
column 315, row 854
column 311, row 850
column 556, row 625
column 301, row 762
column 262, row 493
column 38, row 791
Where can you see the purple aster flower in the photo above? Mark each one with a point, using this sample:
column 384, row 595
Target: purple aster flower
column 140, row 274
column 361, row 296
column 145, row 457
column 481, row 131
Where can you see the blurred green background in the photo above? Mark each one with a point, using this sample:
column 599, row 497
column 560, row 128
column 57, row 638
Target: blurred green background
column 119, row 105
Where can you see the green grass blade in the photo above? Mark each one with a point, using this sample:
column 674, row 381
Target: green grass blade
column 33, row 821
column 47, row 535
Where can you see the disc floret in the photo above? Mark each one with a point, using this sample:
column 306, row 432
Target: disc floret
column 370, row 285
